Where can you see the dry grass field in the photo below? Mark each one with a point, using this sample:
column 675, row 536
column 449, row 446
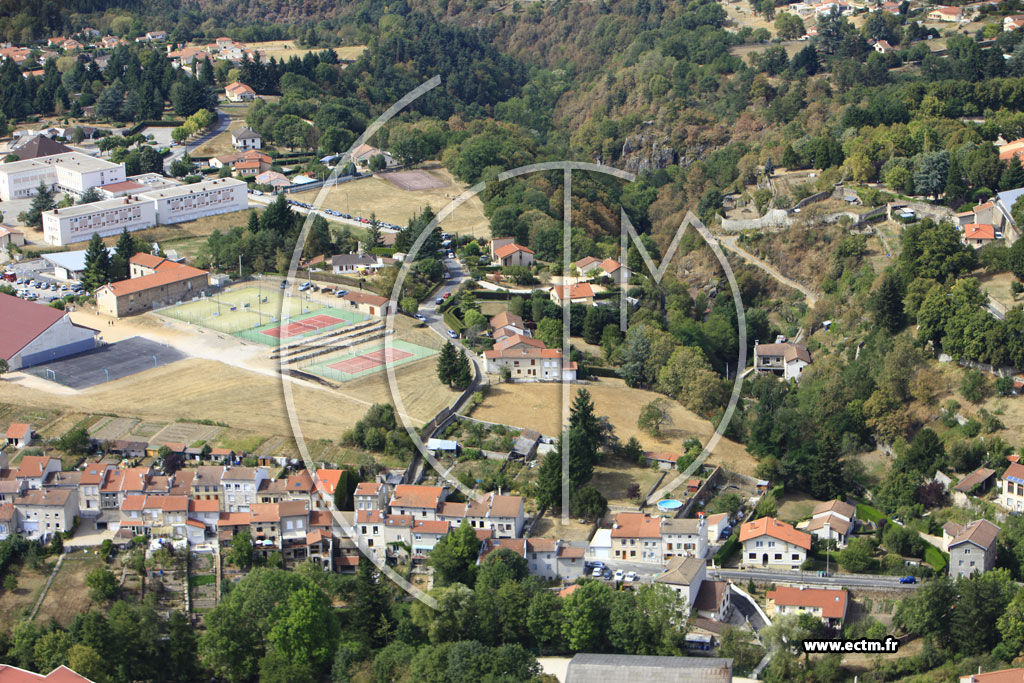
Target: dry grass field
column 219, row 144
column 174, row 236
column 614, row 475
column 286, row 49
column 998, row 286
column 17, row 603
column 68, row 595
column 794, row 507
column 395, row 205
column 538, row 406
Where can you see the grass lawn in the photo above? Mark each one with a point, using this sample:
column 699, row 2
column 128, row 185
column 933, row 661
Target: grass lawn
column 202, row 580
column 936, row 558
column 869, row 513
column 68, row 594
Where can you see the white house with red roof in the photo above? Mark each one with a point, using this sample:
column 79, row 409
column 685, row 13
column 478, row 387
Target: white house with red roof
column 370, row 495
column 636, row 537
column 977, row 235
column 827, row 604
column 34, row 334
column 768, row 542
column 513, row 255
column 503, row 515
column 33, row 470
column 421, row 502
column 19, row 435
column 581, row 293
column 527, row 359
column 239, row 92
column 832, row 520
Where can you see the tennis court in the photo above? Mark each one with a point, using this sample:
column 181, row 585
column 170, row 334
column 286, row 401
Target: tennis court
column 254, row 313
column 295, row 327
column 353, row 365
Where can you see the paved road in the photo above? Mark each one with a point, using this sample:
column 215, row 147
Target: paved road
column 730, row 242
column 223, row 121
column 267, row 199
column 811, row 578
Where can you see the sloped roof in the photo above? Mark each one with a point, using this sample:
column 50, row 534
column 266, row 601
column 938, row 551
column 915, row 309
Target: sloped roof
column 40, row 146
column 831, row 602
column 583, row 290
column 709, row 597
column 769, row 526
column 22, row 321
column 413, row 496
column 787, row 350
column 681, row 571
column 509, row 249
column 19, row 430
column 979, row 231
column 973, row 479
column 836, row 506
column 604, row 668
column 164, row 276
column 506, row 319
column 636, row 525
column 981, row 533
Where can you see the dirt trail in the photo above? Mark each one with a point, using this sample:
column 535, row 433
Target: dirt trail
column 730, row 242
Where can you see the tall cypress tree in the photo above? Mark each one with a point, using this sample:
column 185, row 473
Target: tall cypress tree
column 446, row 363
column 462, row 373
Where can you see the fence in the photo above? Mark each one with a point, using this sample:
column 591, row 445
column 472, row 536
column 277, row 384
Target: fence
column 775, row 218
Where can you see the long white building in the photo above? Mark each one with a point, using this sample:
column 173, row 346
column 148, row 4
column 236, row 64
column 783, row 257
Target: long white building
column 71, row 172
column 162, row 206
column 105, row 218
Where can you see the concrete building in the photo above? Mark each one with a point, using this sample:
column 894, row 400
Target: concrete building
column 136, row 295
column 971, row 548
column 684, row 537
column 504, row 516
column 43, row 513
column 34, row 334
column 527, row 359
column 207, row 198
column 105, row 218
column 70, row 172
column 1011, row 488
column 636, row 537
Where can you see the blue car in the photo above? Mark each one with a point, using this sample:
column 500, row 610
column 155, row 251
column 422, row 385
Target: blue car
column 908, row 579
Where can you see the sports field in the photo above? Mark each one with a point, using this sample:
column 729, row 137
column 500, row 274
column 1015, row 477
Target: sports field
column 254, row 314
column 353, row 365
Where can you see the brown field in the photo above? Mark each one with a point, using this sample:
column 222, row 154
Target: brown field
column 1010, row 411
column 68, row 594
column 219, row 144
column 550, row 526
column 745, row 51
column 537, row 406
column 19, row 602
column 614, row 475
column 394, row 205
column 794, row 507
column 998, row 286
column 286, row 49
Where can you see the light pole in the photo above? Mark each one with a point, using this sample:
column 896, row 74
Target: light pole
column 828, row 540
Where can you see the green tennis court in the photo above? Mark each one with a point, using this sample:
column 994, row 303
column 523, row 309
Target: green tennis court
column 254, row 314
column 375, row 359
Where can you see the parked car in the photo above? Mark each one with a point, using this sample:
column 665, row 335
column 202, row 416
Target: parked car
column 619, row 575
column 439, row 301
column 284, row 283
column 631, row 577
column 908, row 579
column 446, row 295
column 453, row 334
column 419, row 316
column 598, row 572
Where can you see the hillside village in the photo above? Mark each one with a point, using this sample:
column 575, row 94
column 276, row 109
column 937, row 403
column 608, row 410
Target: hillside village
column 734, row 396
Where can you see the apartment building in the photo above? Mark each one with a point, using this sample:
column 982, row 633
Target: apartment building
column 69, row 172
column 1011, row 488
column 105, row 218
column 420, row 502
column 43, row 513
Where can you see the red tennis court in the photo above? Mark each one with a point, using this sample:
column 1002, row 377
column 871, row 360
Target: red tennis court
column 297, row 327
column 369, row 360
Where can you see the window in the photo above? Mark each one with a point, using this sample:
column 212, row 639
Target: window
column 796, row 556
column 778, row 556
column 753, row 556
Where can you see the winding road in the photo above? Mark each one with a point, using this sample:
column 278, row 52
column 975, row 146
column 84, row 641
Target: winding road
column 223, row 121
column 730, row 242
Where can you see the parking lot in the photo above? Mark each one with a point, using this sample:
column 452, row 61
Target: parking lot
column 37, row 271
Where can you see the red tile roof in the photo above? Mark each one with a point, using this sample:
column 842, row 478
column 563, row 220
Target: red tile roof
column 122, row 186
column 158, row 279
column 19, row 430
column 769, row 526
column 368, row 488
column 832, row 603
column 62, row 674
column 979, row 231
column 329, row 479
column 23, row 321
column 509, row 249
column 636, row 525
column 33, row 465
column 146, row 260
column 582, row 290
column 410, row 496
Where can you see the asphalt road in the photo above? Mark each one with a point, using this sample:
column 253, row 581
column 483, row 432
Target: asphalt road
column 811, row 578
column 223, row 121
column 267, row 199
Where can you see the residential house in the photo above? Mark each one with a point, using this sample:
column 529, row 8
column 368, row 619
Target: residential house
column 883, row 47
column 971, row 548
column 344, row 264
column 62, row 674
column 773, row 543
column 975, row 483
column 684, row 575
column 590, row 267
column 527, row 359
column 44, row 513
column 636, row 537
column 239, row 92
column 506, row 324
column 362, row 154
column 206, row 512
column 513, row 255
column 832, row 520
column 827, row 604
column 684, row 537
column 1002, row 676
column 11, row 489
column 714, row 601
column 545, row 557
column 497, row 243
column 1013, row 22
column 1011, row 488
column 206, row 484
column 246, row 138
column 294, row 528
column 783, row 359
column 570, row 561
column 420, row 502
column 587, row 265
column 717, row 524
column 425, row 535
column 272, row 178
column 370, row 496
column 977, row 235
column 19, row 435
column 525, row 445
column 89, row 489
column 503, row 515
column 35, row 469
column 581, row 293
column 600, row 546
column 8, row 520
column 952, row 14
column 239, row 487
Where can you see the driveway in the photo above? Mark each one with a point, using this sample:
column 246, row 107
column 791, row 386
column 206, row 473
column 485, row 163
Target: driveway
column 223, row 121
